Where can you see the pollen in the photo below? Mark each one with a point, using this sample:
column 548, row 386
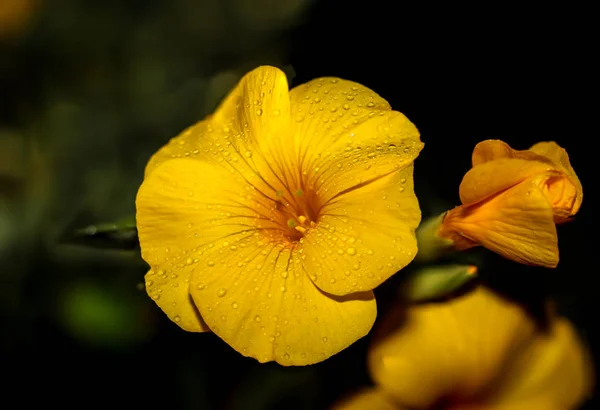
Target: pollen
column 297, row 210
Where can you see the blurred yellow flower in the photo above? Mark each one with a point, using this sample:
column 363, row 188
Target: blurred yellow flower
column 476, row 352
column 511, row 201
column 15, row 16
column 270, row 222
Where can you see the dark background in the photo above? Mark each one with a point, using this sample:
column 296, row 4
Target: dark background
column 90, row 91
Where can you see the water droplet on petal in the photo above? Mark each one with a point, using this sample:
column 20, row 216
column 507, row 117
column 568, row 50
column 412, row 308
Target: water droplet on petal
column 351, row 251
column 221, row 292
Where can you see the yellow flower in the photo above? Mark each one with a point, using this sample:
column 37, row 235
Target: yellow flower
column 271, row 221
column 16, row 16
column 511, row 201
column 476, row 352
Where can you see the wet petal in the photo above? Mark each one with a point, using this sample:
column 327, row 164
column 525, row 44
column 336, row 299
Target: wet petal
column 170, row 290
column 367, row 399
column 364, row 236
column 449, row 350
column 250, row 133
column 347, row 136
column 245, row 277
column 263, row 304
column 555, row 367
column 517, row 224
column 176, row 217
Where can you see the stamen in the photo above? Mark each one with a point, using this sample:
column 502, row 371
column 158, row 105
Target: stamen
column 302, row 219
column 300, row 229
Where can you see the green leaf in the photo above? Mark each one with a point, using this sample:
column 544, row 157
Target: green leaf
column 437, row 282
column 121, row 234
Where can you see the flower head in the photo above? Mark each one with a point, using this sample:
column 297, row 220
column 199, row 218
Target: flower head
column 511, row 201
column 270, row 222
column 477, row 352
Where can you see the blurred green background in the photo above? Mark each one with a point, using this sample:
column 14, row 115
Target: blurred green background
column 90, row 90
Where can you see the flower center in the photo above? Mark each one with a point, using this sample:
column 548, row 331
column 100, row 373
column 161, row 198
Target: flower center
column 296, row 213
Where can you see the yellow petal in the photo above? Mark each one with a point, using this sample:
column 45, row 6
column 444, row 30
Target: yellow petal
column 367, row 399
column 490, row 178
column 533, row 404
column 348, row 136
column 247, row 281
column 496, row 166
column 356, row 155
column 571, row 195
column 171, row 294
column 555, row 367
column 451, row 350
column 492, row 150
column 517, row 224
column 250, row 133
column 364, row 236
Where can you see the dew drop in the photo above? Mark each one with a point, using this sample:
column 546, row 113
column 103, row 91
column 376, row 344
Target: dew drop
column 370, row 104
column 211, row 263
column 156, row 296
column 177, row 319
column 200, row 286
column 324, row 339
column 189, row 261
column 248, row 154
column 259, row 112
column 234, row 305
column 257, row 318
column 351, row 251
column 221, row 292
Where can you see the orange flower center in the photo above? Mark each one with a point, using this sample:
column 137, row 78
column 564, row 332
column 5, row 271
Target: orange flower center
column 296, row 213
